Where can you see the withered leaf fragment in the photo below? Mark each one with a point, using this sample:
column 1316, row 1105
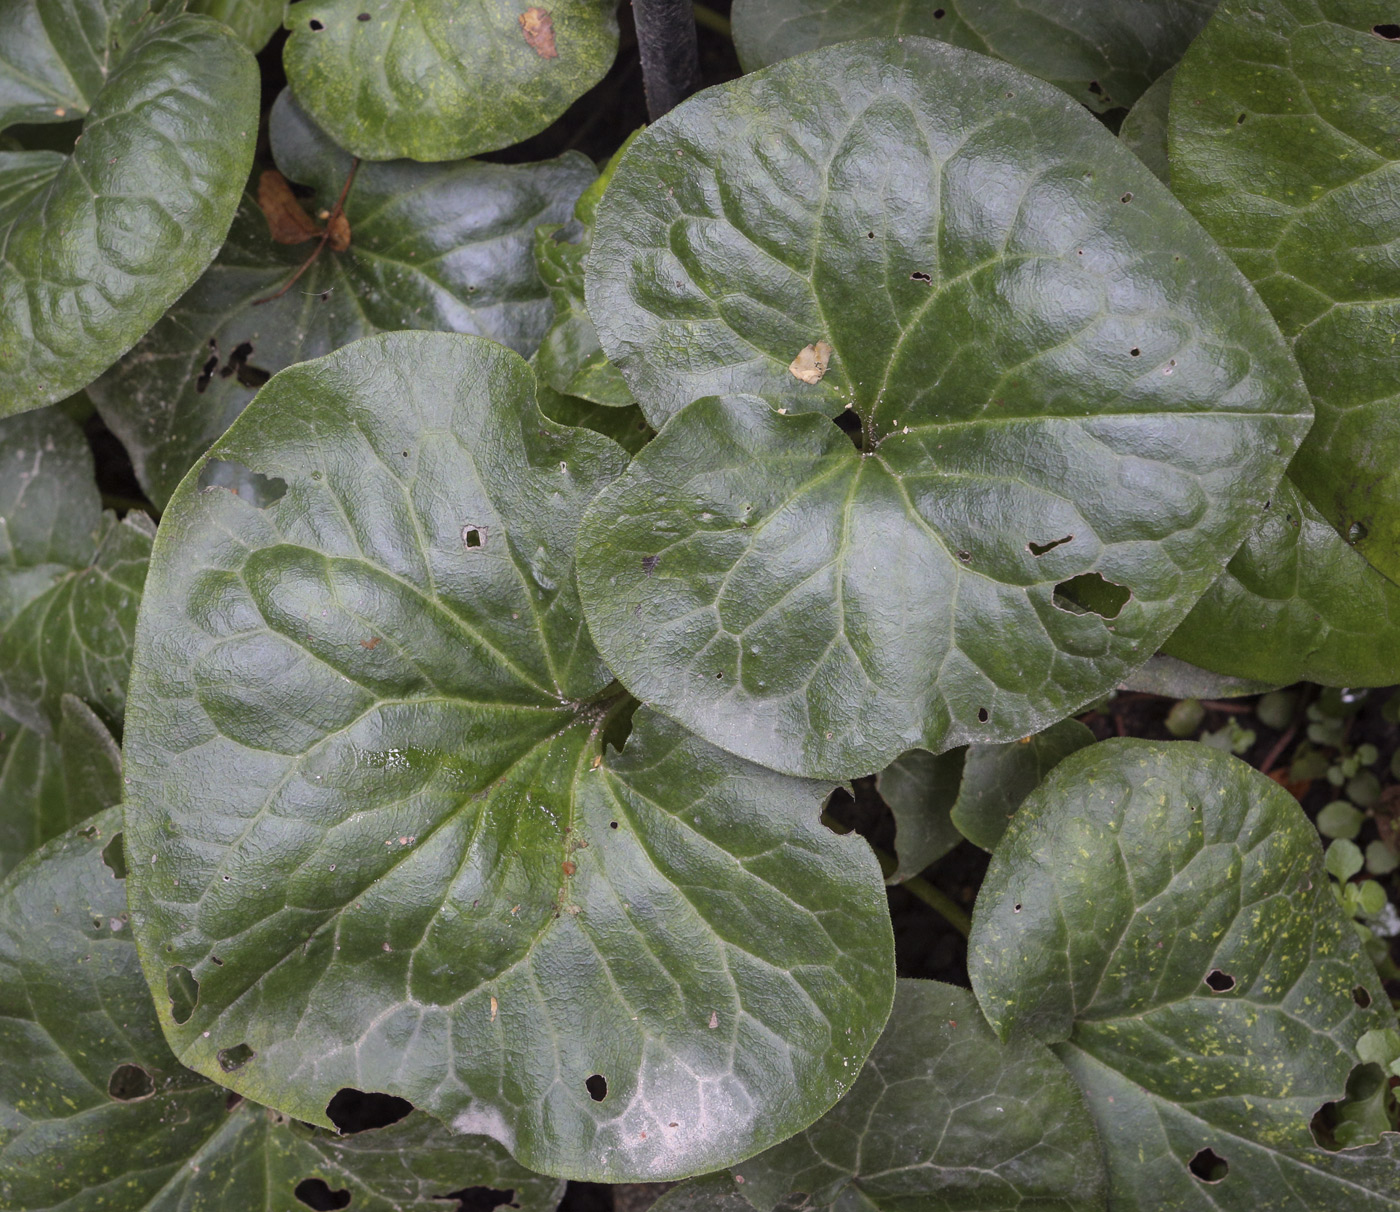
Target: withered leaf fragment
column 287, row 222
column 538, row 27
column 810, row 365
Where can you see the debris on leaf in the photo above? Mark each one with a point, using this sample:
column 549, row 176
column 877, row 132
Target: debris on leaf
column 339, row 239
column 538, row 27
column 810, row 365
column 287, row 222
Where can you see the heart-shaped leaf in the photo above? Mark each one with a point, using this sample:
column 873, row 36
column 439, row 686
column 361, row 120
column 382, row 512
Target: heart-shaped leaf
column 96, row 1112
column 997, row 778
column 1068, row 401
column 70, row 576
column 377, row 837
column 443, row 79
column 1283, row 121
column 432, row 246
column 1160, row 913
column 920, row 789
column 1296, row 603
column 99, row 243
column 570, row 359
column 1102, row 52
column 944, row 1115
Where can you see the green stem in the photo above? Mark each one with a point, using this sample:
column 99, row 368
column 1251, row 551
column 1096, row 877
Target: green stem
column 940, row 902
column 707, row 18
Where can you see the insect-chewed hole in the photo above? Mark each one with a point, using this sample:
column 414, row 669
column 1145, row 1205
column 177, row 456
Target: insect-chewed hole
column 362, row 17
column 315, row 26
column 353, row 1110
column 1091, row 593
column 1096, row 88
column 130, row 1083
column 1128, row 197
column 183, row 990
column 480, row 1199
column 473, row 536
column 1221, row 982
column 1135, row 352
column 597, row 1086
column 114, row 857
column 1039, row 549
column 939, row 14
column 919, row 276
column 316, row 1193
column 235, row 1057
column 1208, row 1166
column 612, row 824
column 1391, row 33
column 983, row 715
column 251, row 486
column 1361, row 996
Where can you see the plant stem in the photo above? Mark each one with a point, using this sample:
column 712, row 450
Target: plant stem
column 940, row 902
column 711, row 20
column 335, row 212
column 670, row 58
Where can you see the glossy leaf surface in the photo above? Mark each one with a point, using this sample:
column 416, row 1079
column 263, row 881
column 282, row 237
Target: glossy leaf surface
column 996, row 779
column 98, row 244
column 625, row 425
column 70, row 576
column 432, row 246
column 1103, row 53
column 255, row 21
column 943, row 1116
column 371, row 812
column 95, row 1112
column 570, row 358
column 1062, row 386
column 1160, row 914
column 920, row 789
column 1144, row 128
column 1282, row 143
column 443, row 79
column 1296, row 603
column 1177, row 679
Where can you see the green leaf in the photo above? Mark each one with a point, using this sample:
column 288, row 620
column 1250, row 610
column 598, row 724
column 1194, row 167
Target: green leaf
column 1282, row 143
column 712, row 1193
column 920, row 789
column 1102, row 52
column 1296, row 604
column 96, row 1112
column 254, row 21
column 99, row 243
column 1144, row 129
column 624, row 425
column 443, row 79
column 997, row 778
column 570, row 359
column 432, row 246
column 944, row 1115
column 1017, row 333
column 1173, row 679
column 1159, row 913
column 70, row 576
column 372, row 814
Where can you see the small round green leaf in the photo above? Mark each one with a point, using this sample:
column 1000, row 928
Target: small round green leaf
column 432, row 246
column 99, row 243
column 1102, row 52
column 95, row 1112
column 1283, row 121
column 997, row 778
column 920, row 789
column 1160, row 914
column 443, row 79
column 373, row 819
column 944, row 1115
column 1068, row 400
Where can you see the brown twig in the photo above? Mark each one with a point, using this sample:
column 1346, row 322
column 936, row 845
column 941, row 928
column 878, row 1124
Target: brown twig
column 336, row 212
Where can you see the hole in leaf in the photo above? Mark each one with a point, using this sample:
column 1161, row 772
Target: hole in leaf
column 357, row 1111
column 1240, row 120
column 473, row 536
column 965, row 556
column 983, row 715
column 1096, row 88
column 114, row 857
column 848, row 421
column 1016, row 908
column 938, row 14
column 253, row 377
column 1221, row 982
column 130, row 1083
column 249, row 485
column 479, row 1199
column 1360, row 1117
column 1091, row 593
column 1039, row 549
column 1208, row 1166
column 1128, row 197
column 315, row 26
column 612, row 824
column 216, row 961
column 89, row 832
column 206, row 373
column 183, row 991
column 1135, row 352
column 362, row 17
column 920, row 276
column 316, row 1193
column 597, row 1087
column 1362, row 997
column 235, row 1058
column 1391, row 33
column 1356, row 532
column 233, row 1099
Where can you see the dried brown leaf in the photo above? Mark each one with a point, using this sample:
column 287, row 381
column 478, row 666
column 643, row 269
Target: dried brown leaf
column 538, row 27
column 287, row 222
column 810, row 365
